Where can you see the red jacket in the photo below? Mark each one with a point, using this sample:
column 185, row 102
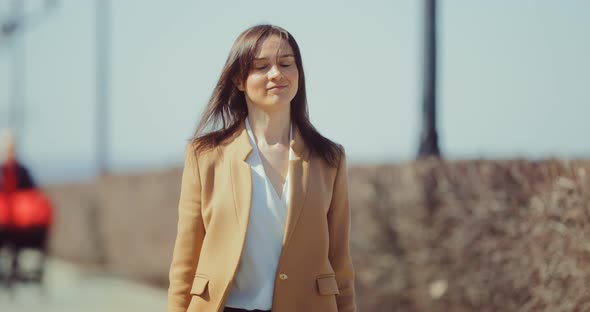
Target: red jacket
column 21, row 203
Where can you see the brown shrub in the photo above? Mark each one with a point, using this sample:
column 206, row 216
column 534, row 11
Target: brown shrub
column 472, row 236
column 426, row 236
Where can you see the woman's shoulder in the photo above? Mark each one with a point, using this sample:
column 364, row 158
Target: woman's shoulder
column 202, row 155
column 330, row 152
column 209, row 154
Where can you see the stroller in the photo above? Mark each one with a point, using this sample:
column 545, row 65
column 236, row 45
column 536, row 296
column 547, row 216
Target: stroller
column 25, row 219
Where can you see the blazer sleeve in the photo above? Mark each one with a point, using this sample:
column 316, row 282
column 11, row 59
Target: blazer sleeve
column 189, row 237
column 339, row 231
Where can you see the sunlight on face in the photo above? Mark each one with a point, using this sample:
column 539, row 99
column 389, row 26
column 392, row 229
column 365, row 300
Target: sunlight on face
column 273, row 80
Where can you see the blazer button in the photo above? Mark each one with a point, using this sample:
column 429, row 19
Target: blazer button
column 283, row 276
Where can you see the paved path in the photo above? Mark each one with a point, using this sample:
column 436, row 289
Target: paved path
column 69, row 288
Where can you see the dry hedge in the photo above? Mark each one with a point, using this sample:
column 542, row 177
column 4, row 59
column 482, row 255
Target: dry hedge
column 426, row 236
column 472, row 236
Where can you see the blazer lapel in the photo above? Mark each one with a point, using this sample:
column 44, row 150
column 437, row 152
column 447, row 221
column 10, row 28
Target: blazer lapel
column 299, row 174
column 241, row 177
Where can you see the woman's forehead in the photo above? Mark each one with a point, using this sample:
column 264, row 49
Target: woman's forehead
column 274, row 46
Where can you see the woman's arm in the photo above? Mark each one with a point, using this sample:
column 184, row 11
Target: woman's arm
column 189, row 237
column 339, row 230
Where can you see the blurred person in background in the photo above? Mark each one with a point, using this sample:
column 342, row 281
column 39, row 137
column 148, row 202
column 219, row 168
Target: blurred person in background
column 25, row 213
column 264, row 218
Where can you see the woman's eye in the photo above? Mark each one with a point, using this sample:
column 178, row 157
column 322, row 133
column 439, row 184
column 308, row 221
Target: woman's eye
column 260, row 67
column 286, row 64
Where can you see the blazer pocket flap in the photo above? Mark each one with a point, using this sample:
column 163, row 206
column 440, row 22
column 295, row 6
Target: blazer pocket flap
column 199, row 285
column 327, row 285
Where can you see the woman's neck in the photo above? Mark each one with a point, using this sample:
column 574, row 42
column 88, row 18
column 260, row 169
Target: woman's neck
column 270, row 128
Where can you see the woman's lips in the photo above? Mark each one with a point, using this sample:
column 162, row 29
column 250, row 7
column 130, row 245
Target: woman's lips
column 277, row 88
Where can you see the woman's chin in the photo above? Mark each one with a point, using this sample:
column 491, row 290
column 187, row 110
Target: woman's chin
column 275, row 105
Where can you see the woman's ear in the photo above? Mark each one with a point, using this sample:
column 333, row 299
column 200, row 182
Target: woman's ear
column 238, row 83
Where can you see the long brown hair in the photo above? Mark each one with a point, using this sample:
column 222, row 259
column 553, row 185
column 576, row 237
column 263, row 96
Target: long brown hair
column 227, row 106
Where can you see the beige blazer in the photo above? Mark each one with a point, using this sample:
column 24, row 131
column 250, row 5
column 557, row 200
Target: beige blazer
column 315, row 271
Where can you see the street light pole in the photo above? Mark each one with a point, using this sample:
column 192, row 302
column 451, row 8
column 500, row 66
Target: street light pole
column 429, row 135
column 12, row 31
column 17, row 97
column 102, row 69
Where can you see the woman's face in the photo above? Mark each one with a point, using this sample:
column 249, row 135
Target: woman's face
column 273, row 80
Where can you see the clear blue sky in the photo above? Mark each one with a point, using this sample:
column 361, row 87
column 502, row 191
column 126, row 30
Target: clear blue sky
column 513, row 77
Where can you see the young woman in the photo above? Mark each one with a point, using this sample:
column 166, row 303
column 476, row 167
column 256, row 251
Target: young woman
column 264, row 219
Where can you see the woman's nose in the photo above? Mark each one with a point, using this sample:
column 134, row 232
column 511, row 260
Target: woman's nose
column 274, row 72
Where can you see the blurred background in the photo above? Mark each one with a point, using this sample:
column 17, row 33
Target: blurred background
column 465, row 125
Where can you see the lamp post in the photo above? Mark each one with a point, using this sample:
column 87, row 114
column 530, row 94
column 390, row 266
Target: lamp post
column 102, row 70
column 429, row 135
column 11, row 35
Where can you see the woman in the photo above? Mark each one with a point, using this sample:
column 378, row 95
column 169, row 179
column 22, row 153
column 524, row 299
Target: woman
column 263, row 212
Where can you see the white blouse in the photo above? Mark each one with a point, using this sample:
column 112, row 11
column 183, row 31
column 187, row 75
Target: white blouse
column 254, row 282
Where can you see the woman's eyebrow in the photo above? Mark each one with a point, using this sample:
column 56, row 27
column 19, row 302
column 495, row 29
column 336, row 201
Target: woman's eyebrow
column 266, row 58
